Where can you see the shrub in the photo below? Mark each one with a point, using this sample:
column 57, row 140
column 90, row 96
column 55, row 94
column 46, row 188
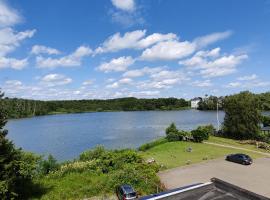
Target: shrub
column 93, row 154
column 266, row 121
column 47, row 165
column 200, row 134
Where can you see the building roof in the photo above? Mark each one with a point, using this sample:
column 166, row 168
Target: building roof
column 267, row 128
column 196, row 99
column 214, row 190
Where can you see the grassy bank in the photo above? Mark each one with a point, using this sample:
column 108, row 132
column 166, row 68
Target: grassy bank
column 175, row 154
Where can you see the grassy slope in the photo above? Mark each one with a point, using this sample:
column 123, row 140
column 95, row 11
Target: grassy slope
column 174, row 154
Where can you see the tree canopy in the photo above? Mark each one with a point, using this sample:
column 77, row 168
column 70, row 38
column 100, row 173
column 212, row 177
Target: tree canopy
column 242, row 116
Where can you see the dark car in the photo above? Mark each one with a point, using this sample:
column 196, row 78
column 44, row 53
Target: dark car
column 240, row 158
column 126, row 192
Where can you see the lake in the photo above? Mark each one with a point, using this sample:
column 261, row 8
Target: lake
column 65, row 136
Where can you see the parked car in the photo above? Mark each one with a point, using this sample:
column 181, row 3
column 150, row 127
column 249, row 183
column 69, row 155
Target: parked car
column 126, row 192
column 240, row 158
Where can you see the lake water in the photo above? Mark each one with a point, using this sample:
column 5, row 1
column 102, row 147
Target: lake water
column 66, row 136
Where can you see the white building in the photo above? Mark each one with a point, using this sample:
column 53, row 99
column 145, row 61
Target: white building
column 195, row 102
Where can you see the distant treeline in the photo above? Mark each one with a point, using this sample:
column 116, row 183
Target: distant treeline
column 210, row 102
column 18, row 108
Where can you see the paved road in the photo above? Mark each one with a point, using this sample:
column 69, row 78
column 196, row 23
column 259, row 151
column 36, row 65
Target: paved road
column 255, row 177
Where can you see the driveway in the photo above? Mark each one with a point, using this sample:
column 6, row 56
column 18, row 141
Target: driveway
column 255, row 177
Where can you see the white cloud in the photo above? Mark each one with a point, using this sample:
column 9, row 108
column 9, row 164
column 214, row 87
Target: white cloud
column 8, row 16
column 168, row 50
column 73, row 59
column 248, row 84
column 116, row 64
column 13, row 63
column 13, row 83
column 52, row 80
column 247, row 78
column 211, row 38
column 142, row 71
column 126, row 5
column 40, row 49
column 175, row 49
column 163, row 79
column 123, row 81
column 132, row 40
column 204, row 83
column 142, row 94
column 10, row 39
column 88, row 82
column 211, row 64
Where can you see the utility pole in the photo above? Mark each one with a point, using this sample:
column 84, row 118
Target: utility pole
column 217, row 117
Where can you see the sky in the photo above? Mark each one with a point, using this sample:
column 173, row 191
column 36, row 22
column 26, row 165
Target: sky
column 101, row 49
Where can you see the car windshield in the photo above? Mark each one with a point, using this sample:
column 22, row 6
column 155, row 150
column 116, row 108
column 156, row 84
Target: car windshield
column 130, row 195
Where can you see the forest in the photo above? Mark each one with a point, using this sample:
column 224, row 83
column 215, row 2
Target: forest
column 18, row 108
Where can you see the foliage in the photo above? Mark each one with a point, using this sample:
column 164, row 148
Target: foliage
column 98, row 172
column 201, row 133
column 152, row 144
column 210, row 103
column 17, row 168
column 242, row 116
column 47, row 166
column 266, row 121
column 173, row 134
column 18, row 108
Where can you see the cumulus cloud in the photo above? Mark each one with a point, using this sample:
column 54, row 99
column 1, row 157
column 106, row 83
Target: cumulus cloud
column 51, row 80
column 204, row 83
column 123, row 81
column 247, row 78
column 176, row 49
column 248, row 85
column 142, row 71
column 13, row 63
column 73, row 59
column 168, row 50
column 211, row 64
column 40, row 49
column 163, row 79
column 126, row 5
column 132, row 40
column 116, row 64
column 248, row 82
column 88, row 82
column 8, row 15
column 11, row 39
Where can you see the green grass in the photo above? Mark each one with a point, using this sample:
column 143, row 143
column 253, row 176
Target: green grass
column 74, row 186
column 174, row 154
column 231, row 142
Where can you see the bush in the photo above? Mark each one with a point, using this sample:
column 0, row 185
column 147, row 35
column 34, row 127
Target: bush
column 152, row 144
column 47, row 166
column 266, row 121
column 200, row 134
column 172, row 134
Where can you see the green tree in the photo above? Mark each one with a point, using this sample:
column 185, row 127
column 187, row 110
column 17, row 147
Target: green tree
column 16, row 167
column 242, row 116
column 172, row 133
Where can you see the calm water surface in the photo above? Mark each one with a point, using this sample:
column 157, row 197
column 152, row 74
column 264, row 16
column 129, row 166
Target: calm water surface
column 66, row 136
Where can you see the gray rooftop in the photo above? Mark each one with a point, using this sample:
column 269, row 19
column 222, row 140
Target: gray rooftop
column 214, row 190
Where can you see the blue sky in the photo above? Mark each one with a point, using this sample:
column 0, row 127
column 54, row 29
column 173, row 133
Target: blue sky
column 147, row 49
